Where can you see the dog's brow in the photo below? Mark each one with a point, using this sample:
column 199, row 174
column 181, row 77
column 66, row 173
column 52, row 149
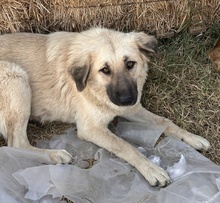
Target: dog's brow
column 106, row 64
column 126, row 58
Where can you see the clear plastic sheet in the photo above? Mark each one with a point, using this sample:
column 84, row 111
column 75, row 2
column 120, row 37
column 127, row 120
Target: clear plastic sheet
column 24, row 179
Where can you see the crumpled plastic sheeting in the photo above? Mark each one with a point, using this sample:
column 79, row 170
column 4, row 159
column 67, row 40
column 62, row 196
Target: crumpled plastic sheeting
column 23, row 179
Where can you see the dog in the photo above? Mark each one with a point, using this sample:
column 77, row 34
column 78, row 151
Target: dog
column 214, row 56
column 87, row 78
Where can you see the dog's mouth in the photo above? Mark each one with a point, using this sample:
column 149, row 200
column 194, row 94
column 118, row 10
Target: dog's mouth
column 122, row 96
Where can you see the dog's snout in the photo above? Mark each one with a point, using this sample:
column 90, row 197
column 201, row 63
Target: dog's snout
column 123, row 95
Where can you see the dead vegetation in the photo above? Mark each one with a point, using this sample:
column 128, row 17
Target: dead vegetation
column 163, row 17
column 185, row 87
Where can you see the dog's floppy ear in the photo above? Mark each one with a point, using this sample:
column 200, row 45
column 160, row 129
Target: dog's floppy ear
column 80, row 75
column 147, row 45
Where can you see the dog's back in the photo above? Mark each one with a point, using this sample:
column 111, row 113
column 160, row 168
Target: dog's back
column 26, row 49
column 30, row 51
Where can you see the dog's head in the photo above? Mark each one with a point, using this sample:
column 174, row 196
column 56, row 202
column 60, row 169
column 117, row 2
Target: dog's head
column 112, row 65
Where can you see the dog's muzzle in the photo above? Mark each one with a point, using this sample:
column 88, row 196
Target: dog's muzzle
column 123, row 95
column 126, row 100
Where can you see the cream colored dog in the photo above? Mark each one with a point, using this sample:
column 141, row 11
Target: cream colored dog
column 214, row 56
column 86, row 78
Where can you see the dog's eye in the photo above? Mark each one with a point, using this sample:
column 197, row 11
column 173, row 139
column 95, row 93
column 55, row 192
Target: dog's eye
column 106, row 70
column 130, row 65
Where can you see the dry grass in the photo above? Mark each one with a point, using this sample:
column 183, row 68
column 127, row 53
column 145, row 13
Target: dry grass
column 39, row 132
column 185, row 88
column 160, row 16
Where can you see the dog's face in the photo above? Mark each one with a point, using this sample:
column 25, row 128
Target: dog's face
column 114, row 67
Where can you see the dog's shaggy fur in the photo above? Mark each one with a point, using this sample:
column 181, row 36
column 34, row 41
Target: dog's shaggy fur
column 86, row 78
column 214, row 56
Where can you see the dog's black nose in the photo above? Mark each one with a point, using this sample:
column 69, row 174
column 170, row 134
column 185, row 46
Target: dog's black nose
column 127, row 100
column 123, row 95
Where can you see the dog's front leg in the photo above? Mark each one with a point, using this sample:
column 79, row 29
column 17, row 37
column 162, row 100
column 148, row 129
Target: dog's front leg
column 142, row 115
column 18, row 138
column 104, row 138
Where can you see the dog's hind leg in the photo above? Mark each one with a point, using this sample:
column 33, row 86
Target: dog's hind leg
column 15, row 104
column 15, row 110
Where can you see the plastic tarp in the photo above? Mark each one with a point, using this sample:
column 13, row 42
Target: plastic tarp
column 25, row 179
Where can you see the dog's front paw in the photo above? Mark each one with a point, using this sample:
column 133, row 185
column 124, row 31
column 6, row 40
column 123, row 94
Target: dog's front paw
column 60, row 156
column 196, row 141
column 156, row 176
